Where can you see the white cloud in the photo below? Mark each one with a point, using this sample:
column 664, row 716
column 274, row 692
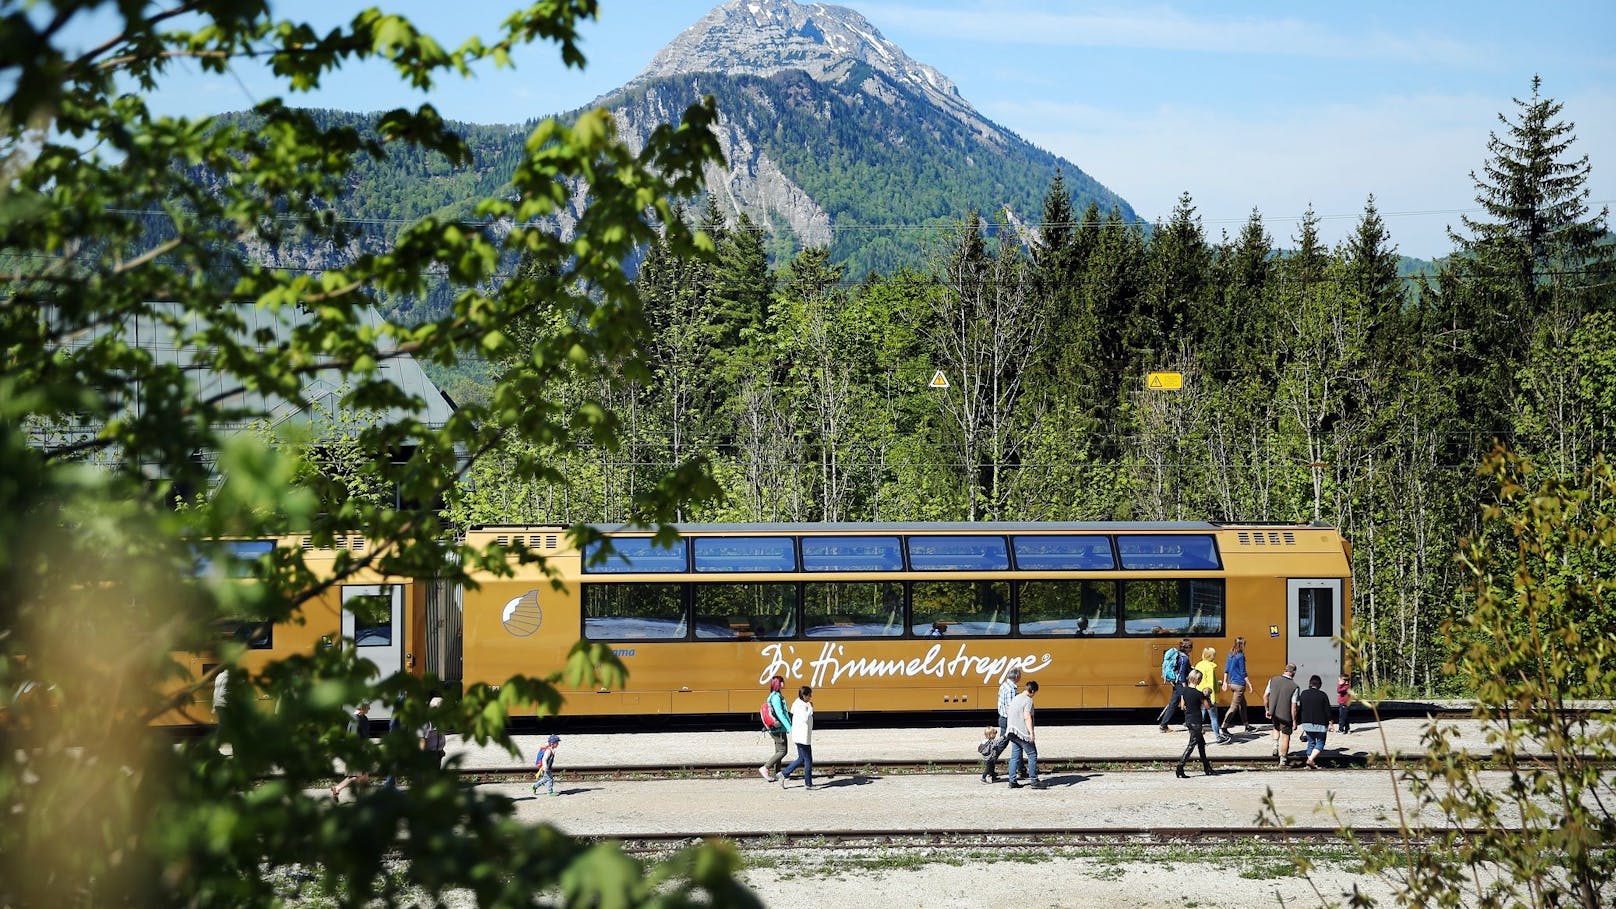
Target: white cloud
column 1163, row 28
column 1414, row 153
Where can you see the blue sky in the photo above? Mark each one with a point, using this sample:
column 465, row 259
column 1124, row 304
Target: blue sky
column 1267, row 105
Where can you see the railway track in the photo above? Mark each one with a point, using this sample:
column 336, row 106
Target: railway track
column 1043, row 838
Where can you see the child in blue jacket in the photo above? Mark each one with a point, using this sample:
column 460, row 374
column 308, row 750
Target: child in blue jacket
column 545, row 761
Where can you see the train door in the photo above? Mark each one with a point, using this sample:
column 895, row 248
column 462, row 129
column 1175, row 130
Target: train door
column 373, row 618
column 1313, row 613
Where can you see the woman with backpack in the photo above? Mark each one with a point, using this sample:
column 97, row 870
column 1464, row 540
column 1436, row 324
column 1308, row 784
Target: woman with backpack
column 777, row 723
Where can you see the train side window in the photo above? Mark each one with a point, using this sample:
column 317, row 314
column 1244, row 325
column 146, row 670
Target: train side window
column 1069, row 608
column 372, row 615
column 1315, row 612
column 1169, row 552
column 636, row 555
column 237, row 558
column 853, row 610
column 1064, row 553
column 951, row 608
column 745, row 553
column 851, row 554
column 254, row 634
column 1185, row 607
column 618, row 612
column 961, row 553
column 746, row 611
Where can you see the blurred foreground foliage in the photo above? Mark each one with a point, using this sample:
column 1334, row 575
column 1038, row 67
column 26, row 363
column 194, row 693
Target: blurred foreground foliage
column 114, row 220
column 1533, row 826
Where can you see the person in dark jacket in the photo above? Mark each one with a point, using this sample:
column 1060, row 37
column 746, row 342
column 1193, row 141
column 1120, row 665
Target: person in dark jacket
column 1181, row 673
column 359, row 728
column 1312, row 713
column 1194, row 703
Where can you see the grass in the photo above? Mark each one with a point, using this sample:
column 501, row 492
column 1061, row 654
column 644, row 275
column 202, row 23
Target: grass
column 1254, row 861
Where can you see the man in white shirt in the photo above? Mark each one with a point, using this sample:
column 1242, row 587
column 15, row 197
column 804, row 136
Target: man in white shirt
column 1007, row 693
column 1023, row 738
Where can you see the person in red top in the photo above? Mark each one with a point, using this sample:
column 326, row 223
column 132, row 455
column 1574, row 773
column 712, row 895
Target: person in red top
column 777, row 732
column 1343, row 700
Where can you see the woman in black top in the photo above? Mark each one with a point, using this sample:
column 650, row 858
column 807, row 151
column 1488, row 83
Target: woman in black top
column 1312, row 709
column 1193, row 701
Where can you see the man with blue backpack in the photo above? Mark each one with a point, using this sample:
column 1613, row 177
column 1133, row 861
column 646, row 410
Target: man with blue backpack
column 1175, row 670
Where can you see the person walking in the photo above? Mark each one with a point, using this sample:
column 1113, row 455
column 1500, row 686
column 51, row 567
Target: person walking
column 1208, row 671
column 1277, row 699
column 433, row 742
column 1343, row 703
column 1193, row 699
column 1023, row 738
column 776, row 707
column 1007, row 693
column 802, row 734
column 1236, row 682
column 359, row 728
column 545, row 761
column 1176, row 676
column 1312, row 713
column 987, row 748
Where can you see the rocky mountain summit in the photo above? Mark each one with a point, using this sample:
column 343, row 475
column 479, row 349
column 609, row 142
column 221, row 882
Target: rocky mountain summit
column 834, row 136
column 765, row 37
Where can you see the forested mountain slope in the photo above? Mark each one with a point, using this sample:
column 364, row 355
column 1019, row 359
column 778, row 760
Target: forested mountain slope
column 833, row 137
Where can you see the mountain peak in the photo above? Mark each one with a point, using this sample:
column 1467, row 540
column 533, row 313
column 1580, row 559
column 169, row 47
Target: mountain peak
column 764, row 37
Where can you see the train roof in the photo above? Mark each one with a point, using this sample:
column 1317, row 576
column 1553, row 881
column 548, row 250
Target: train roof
column 929, row 526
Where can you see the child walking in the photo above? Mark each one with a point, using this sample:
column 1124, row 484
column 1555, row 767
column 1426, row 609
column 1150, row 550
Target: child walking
column 1343, row 702
column 990, row 737
column 545, row 761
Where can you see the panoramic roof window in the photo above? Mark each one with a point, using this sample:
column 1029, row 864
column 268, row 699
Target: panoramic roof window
column 962, row 553
column 745, row 554
column 636, row 555
column 1064, row 553
column 851, row 554
column 237, row 556
column 1179, row 552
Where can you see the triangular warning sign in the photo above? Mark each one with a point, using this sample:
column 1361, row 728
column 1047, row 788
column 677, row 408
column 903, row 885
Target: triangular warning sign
column 1155, row 380
column 938, row 380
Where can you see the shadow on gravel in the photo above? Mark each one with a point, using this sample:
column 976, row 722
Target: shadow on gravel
column 1068, row 779
column 855, row 780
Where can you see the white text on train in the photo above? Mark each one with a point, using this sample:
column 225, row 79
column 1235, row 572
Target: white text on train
column 831, row 666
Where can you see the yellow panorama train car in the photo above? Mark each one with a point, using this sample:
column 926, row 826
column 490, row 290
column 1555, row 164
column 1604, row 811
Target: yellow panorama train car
column 910, row 616
column 389, row 632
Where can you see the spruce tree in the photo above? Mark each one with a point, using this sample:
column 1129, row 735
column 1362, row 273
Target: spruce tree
column 1180, row 276
column 1536, row 200
column 1528, row 271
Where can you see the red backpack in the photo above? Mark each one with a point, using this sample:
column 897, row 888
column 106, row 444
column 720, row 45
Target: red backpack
column 769, row 720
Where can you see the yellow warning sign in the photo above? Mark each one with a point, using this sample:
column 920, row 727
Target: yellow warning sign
column 938, row 380
column 1165, row 381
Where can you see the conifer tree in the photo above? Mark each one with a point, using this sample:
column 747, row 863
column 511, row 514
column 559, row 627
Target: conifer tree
column 1180, row 275
column 1538, row 226
column 1530, row 270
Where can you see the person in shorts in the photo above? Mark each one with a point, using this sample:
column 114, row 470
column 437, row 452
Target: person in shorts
column 359, row 727
column 1277, row 699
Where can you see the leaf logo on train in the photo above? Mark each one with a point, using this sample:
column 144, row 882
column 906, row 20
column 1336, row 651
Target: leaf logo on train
column 522, row 616
column 833, row 665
